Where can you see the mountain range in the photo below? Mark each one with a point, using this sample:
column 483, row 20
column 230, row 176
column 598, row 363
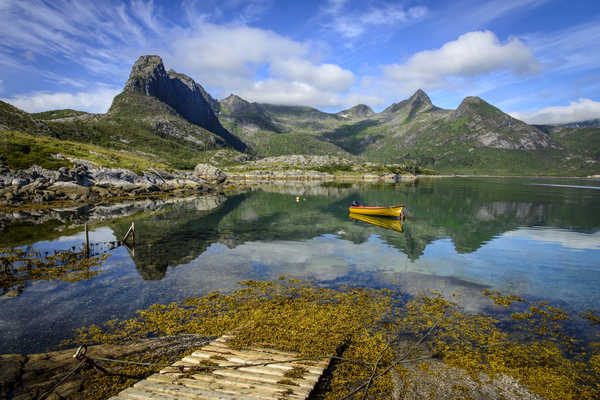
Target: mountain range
column 167, row 117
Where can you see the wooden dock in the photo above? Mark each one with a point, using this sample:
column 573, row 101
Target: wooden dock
column 253, row 373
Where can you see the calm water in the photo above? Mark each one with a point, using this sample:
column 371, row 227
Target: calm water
column 532, row 237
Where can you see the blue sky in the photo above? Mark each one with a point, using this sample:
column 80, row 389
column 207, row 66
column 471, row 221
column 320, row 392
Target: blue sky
column 537, row 59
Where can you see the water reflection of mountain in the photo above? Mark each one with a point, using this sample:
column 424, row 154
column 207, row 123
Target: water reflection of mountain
column 470, row 212
column 176, row 235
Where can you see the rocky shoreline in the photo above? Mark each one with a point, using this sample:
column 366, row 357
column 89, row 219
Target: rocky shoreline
column 87, row 183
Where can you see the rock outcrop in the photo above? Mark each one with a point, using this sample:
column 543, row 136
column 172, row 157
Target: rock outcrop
column 209, row 173
column 189, row 99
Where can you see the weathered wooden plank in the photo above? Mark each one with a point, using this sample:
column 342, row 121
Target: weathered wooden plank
column 182, row 391
column 257, row 357
column 235, row 376
column 251, row 381
column 199, row 357
column 258, row 377
column 222, row 382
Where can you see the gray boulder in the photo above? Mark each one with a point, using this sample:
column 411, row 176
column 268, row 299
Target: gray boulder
column 209, row 173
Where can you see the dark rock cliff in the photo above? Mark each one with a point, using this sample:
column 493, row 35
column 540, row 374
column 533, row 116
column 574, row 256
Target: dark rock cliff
column 182, row 93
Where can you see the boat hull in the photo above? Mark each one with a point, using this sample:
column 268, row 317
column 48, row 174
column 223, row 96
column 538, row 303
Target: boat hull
column 392, row 211
column 387, row 223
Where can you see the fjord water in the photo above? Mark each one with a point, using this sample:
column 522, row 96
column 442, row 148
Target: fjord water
column 537, row 238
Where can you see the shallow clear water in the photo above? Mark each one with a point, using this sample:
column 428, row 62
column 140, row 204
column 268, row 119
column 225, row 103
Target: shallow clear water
column 533, row 237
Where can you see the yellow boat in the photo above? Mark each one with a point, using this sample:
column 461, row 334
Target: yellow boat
column 387, row 223
column 391, row 211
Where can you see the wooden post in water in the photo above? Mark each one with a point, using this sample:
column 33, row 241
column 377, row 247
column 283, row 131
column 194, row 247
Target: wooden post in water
column 130, row 231
column 87, row 241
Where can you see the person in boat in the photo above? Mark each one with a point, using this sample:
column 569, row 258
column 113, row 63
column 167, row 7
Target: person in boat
column 355, row 203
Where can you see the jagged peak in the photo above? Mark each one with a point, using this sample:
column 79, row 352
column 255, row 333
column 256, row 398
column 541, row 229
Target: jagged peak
column 146, row 66
column 422, row 96
column 417, row 103
column 233, row 98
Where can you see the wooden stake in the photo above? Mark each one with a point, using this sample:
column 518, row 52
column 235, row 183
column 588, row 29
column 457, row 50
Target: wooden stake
column 130, row 231
column 87, row 240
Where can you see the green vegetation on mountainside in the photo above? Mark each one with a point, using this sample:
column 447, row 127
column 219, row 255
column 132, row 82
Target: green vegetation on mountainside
column 146, row 129
column 22, row 150
column 13, row 118
column 585, row 140
column 57, row 114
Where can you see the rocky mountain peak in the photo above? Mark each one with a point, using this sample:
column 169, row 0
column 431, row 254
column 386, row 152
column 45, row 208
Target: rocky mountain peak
column 234, row 100
column 421, row 97
column 362, row 110
column 473, row 100
column 358, row 111
column 182, row 93
column 491, row 127
column 474, row 104
column 418, row 103
column 147, row 69
column 235, row 104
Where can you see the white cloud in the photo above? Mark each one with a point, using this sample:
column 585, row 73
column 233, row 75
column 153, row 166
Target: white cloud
column 278, row 91
column 473, row 54
column 235, row 55
column 96, row 101
column 324, row 76
column 351, row 25
column 580, row 110
column 213, row 51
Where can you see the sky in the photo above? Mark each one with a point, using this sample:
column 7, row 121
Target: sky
column 538, row 60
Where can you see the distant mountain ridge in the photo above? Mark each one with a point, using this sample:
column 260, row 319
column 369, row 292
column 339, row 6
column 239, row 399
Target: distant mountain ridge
column 475, row 137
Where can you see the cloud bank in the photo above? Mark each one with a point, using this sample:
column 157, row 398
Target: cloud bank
column 581, row 110
column 471, row 55
column 96, row 101
column 237, row 54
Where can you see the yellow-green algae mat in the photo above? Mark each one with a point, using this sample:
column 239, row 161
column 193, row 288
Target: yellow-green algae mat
column 268, row 374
